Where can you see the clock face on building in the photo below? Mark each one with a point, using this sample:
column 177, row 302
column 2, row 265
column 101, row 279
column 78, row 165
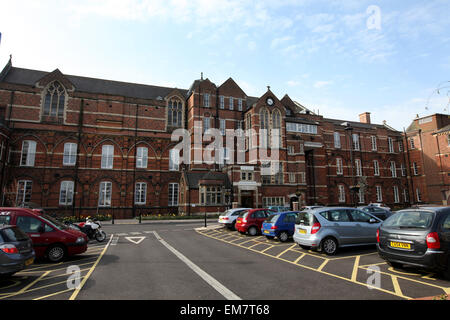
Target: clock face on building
column 270, row 101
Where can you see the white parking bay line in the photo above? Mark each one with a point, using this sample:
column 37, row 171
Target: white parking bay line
column 229, row 295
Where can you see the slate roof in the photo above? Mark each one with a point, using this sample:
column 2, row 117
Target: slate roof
column 92, row 85
column 193, row 178
column 445, row 129
column 355, row 124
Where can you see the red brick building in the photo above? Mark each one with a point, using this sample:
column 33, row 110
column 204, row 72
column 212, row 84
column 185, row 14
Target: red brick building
column 428, row 150
column 74, row 144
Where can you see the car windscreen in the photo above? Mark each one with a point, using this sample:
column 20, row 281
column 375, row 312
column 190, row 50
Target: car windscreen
column 243, row 214
column 272, row 218
column 13, row 234
column 304, row 218
column 410, row 220
column 4, row 219
column 54, row 222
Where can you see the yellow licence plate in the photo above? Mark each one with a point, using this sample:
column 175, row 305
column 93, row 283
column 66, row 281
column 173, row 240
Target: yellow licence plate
column 401, row 245
column 238, row 221
column 266, row 231
column 29, row 261
column 302, row 231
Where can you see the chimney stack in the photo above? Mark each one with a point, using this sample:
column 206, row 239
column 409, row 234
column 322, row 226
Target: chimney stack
column 364, row 117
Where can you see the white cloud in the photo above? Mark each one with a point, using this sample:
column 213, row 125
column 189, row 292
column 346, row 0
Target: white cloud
column 321, row 84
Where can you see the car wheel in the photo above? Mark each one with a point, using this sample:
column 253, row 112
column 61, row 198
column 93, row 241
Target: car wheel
column 329, row 246
column 252, row 231
column 56, row 253
column 283, row 236
column 270, row 237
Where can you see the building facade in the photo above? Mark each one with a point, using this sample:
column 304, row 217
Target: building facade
column 76, row 145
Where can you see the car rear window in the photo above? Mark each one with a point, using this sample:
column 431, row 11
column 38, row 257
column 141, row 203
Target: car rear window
column 305, row 218
column 273, row 218
column 13, row 235
column 243, row 214
column 410, row 219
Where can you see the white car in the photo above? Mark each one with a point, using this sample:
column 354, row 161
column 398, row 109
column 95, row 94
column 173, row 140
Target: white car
column 228, row 218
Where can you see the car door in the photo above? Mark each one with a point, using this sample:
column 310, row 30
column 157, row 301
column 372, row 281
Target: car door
column 34, row 228
column 341, row 225
column 445, row 234
column 365, row 231
column 289, row 222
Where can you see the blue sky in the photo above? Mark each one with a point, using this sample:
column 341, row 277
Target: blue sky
column 322, row 53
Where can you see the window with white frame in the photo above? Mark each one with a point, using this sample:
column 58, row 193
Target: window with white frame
column 415, row 169
column 206, row 97
column 376, row 168
column 273, row 201
column 418, row 195
column 206, row 123
column 140, row 194
column 396, row 195
column 302, row 177
column 240, row 104
column 390, row 145
column 400, row 146
column 231, row 104
column 175, row 112
column 174, row 160
column 337, row 140
column 24, row 188
column 141, row 157
column 393, row 169
column 373, row 142
column 339, row 166
column 222, row 126
column 358, row 167
column 211, row 195
column 291, row 177
column 66, row 193
column 28, row 153
column 379, row 194
column 222, row 102
column 291, row 150
column 246, row 176
column 107, row 156
column 105, row 194
column 54, row 100
column 276, row 126
column 341, row 192
column 173, row 194
column 411, row 143
column 355, row 138
column 405, row 196
column 70, row 154
column 403, row 170
column 448, row 140
column 264, row 128
column 361, row 196
column 301, row 128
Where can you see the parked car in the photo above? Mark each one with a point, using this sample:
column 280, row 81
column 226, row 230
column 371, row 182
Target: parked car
column 417, row 237
column 280, row 225
column 305, row 208
column 51, row 238
column 228, row 218
column 379, row 212
column 328, row 229
column 379, row 205
column 251, row 221
column 279, row 208
column 16, row 250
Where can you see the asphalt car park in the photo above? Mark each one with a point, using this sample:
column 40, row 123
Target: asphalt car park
column 357, row 265
column 45, row 280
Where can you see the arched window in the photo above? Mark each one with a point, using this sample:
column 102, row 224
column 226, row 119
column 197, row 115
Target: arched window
column 264, row 128
column 54, row 100
column 276, row 124
column 175, row 115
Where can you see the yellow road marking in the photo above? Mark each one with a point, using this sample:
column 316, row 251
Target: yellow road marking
column 75, row 294
column 322, row 265
column 254, row 245
column 27, row 286
column 355, row 269
column 268, row 248
column 405, row 273
column 53, row 294
column 83, row 264
column 397, row 289
column 279, row 255
column 299, row 258
column 372, row 264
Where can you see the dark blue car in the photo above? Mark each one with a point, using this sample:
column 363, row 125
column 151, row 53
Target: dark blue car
column 280, row 225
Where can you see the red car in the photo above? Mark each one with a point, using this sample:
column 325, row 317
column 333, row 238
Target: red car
column 51, row 238
column 251, row 221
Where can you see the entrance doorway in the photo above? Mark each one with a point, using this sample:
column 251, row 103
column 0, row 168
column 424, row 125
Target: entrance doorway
column 247, row 199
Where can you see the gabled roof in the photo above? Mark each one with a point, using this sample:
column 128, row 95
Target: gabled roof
column 193, row 178
column 230, row 83
column 92, row 85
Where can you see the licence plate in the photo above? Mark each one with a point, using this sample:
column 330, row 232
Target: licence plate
column 266, row 231
column 29, row 261
column 238, row 221
column 302, row 231
column 400, row 245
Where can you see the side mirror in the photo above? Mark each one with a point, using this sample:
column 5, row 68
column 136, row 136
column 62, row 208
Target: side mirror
column 372, row 220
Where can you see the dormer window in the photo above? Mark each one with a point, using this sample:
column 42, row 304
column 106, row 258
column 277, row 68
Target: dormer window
column 54, row 101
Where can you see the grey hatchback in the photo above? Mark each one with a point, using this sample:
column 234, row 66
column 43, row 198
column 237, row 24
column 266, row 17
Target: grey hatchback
column 329, row 228
column 16, row 250
column 417, row 237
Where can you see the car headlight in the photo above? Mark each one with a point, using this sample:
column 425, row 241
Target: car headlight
column 80, row 240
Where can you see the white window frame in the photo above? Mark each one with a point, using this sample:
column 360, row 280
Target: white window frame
column 174, row 160
column 291, row 150
column 70, row 154
column 66, row 192
column 240, row 104
column 339, row 166
column 105, row 198
column 393, row 169
column 358, row 167
column 142, row 157
column 379, row 193
column 403, row 170
column 291, row 177
column 28, row 155
column 361, row 196
column 173, row 194
column 140, row 193
column 376, row 168
column 390, row 145
column 231, row 103
column 355, row 139
column 337, row 140
column 411, row 143
column 27, row 184
column 415, row 169
column 107, row 161
column 206, row 100
column 206, row 123
column 341, row 193
column 223, row 126
column 418, row 195
column 373, row 141
column 396, row 195
column 222, row 102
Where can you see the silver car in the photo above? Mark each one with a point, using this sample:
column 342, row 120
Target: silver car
column 228, row 218
column 16, row 251
column 328, row 229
